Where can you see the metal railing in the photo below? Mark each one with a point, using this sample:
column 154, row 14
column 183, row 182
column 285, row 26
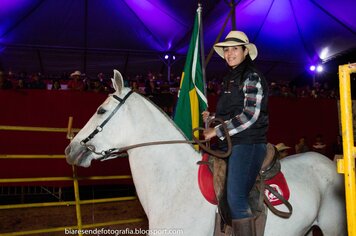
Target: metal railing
column 346, row 165
column 75, row 178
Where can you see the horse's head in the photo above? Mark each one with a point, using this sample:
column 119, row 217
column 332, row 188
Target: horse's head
column 96, row 140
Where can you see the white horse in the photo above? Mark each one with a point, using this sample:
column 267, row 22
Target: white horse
column 165, row 176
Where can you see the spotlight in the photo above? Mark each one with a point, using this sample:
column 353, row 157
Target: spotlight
column 319, row 68
column 312, row 68
column 166, row 56
column 174, row 57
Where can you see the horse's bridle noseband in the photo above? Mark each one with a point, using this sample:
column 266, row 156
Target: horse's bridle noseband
column 107, row 153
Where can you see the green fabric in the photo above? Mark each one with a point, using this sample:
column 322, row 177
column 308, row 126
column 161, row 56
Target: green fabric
column 191, row 99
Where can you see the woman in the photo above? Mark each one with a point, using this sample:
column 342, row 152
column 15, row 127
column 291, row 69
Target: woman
column 243, row 107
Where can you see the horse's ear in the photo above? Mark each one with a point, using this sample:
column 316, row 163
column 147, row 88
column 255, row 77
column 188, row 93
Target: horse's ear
column 117, row 81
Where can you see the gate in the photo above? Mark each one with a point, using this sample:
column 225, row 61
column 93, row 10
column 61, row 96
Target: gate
column 74, row 178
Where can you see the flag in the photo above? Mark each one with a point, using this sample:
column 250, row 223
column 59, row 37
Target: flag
column 191, row 98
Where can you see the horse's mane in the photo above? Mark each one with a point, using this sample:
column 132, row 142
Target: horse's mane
column 163, row 113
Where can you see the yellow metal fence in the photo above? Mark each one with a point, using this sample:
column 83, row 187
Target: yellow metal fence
column 346, row 165
column 77, row 202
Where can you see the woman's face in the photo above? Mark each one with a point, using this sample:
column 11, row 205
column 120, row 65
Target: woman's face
column 234, row 55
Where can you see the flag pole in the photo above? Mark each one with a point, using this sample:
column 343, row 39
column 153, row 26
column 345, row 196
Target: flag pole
column 202, row 51
column 202, row 47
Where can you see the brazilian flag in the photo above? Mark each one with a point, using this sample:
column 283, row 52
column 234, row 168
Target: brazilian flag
column 191, row 98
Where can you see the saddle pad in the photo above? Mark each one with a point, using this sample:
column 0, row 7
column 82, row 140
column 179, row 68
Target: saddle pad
column 206, row 182
column 279, row 184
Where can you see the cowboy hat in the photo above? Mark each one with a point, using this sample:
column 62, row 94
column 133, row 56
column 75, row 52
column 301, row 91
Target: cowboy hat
column 77, row 72
column 281, row 147
column 236, row 38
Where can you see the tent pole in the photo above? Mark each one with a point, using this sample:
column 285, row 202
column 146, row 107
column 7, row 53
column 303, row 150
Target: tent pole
column 233, row 14
column 85, row 36
column 126, row 64
column 218, row 38
column 40, row 61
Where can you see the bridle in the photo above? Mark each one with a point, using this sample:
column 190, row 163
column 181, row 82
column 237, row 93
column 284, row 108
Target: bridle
column 105, row 154
column 120, row 152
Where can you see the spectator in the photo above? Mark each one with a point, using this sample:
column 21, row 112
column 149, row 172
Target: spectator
column 151, row 88
column 301, row 146
column 134, row 86
column 282, row 150
column 56, row 85
column 76, row 82
column 4, row 82
column 96, row 86
column 21, row 84
column 105, row 83
column 337, row 147
column 319, row 145
column 37, row 83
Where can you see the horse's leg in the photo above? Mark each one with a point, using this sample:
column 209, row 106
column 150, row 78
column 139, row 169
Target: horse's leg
column 331, row 217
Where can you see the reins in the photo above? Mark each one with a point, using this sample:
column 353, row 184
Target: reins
column 120, row 152
column 218, row 154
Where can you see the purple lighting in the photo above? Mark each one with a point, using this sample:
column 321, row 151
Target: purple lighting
column 319, row 68
column 312, row 68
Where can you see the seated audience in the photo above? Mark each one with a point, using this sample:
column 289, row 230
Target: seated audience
column 21, row 84
column 36, row 82
column 4, row 82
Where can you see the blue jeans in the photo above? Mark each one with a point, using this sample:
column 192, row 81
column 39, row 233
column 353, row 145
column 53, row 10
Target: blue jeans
column 243, row 167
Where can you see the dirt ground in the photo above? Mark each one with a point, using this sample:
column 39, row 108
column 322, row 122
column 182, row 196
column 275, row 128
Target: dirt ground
column 15, row 220
column 50, row 217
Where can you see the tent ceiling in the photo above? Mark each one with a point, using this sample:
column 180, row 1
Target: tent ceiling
column 97, row 35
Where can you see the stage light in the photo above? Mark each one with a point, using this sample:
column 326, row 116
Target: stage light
column 166, row 56
column 319, row 68
column 174, row 57
column 312, row 68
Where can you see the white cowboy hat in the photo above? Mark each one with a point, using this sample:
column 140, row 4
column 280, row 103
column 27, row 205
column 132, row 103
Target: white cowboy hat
column 77, row 72
column 281, row 147
column 236, row 38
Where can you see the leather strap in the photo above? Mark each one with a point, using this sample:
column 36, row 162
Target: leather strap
column 275, row 211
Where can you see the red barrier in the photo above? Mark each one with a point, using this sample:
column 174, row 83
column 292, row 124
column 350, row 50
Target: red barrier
column 290, row 119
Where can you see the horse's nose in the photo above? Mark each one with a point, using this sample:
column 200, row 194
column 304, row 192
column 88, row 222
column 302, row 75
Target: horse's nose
column 69, row 158
column 67, row 150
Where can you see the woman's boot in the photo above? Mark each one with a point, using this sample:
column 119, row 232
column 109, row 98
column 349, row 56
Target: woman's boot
column 219, row 229
column 244, row 227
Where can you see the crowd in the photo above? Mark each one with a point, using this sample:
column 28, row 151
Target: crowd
column 318, row 145
column 152, row 83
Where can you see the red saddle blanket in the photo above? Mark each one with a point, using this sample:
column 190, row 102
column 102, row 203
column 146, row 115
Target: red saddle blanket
column 279, row 184
column 206, row 184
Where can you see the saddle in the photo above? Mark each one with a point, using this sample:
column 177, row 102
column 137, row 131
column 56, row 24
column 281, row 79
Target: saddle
column 270, row 168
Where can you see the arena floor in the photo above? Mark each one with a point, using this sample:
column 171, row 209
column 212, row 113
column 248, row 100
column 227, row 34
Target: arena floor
column 48, row 217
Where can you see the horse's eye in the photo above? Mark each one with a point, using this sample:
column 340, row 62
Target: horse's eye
column 101, row 111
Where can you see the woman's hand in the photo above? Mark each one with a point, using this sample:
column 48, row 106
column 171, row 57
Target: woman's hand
column 205, row 115
column 209, row 133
